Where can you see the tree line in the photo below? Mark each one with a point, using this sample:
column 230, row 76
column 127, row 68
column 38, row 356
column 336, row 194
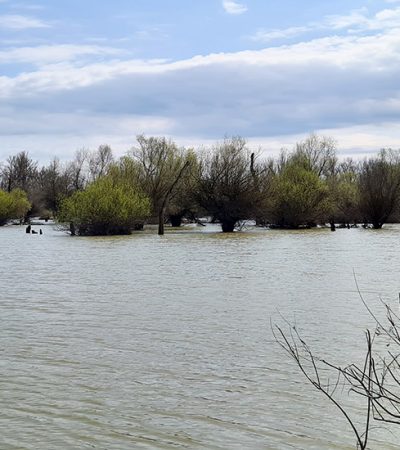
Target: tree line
column 159, row 182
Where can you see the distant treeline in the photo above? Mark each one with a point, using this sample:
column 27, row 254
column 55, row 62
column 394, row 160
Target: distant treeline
column 159, row 182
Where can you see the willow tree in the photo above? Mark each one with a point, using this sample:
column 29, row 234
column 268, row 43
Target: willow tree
column 183, row 202
column 162, row 165
column 20, row 172
column 299, row 197
column 317, row 154
column 345, row 195
column 304, row 184
column 100, row 161
column 13, row 205
column 106, row 207
column 379, row 187
column 53, row 184
column 227, row 189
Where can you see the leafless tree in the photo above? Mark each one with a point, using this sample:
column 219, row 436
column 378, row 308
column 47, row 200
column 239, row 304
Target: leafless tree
column 19, row 171
column 319, row 154
column 99, row 161
column 77, row 170
column 54, row 184
column 376, row 380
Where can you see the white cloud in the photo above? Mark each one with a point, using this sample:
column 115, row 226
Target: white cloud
column 18, row 22
column 62, row 133
column 31, row 7
column 389, row 16
column 347, row 85
column 356, row 18
column 233, row 7
column 356, row 21
column 371, row 54
column 354, row 141
column 47, row 54
column 283, row 33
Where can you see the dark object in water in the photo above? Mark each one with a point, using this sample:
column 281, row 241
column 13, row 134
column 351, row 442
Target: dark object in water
column 40, row 231
column 34, row 232
column 28, row 229
column 72, row 228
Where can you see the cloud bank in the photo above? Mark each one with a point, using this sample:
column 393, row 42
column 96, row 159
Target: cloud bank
column 82, row 95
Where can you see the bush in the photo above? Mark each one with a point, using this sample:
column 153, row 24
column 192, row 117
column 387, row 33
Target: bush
column 300, row 197
column 105, row 207
column 13, row 205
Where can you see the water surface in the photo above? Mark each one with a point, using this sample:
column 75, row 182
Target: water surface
column 165, row 342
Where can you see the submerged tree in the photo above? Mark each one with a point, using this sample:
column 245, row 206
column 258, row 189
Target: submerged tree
column 226, row 186
column 303, row 184
column 379, row 187
column 105, row 207
column 13, row 205
column 20, row 171
column 53, row 185
column 162, row 165
column 345, row 197
column 182, row 202
column 299, row 197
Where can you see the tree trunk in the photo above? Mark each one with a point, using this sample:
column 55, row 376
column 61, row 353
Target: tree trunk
column 176, row 220
column 228, row 226
column 161, row 221
column 72, row 228
column 166, row 198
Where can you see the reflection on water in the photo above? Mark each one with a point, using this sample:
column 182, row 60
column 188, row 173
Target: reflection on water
column 165, row 342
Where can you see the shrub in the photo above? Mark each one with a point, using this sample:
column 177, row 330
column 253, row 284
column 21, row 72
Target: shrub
column 105, row 207
column 13, row 205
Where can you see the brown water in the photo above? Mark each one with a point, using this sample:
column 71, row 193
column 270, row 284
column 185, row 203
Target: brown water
column 165, row 342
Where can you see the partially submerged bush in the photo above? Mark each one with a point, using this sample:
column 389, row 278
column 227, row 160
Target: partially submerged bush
column 13, row 205
column 105, row 207
column 300, row 197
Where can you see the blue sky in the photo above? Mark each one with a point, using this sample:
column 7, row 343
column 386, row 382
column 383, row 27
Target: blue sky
column 79, row 74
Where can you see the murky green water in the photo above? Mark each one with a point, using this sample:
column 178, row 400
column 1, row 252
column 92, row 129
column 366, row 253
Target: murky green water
column 162, row 343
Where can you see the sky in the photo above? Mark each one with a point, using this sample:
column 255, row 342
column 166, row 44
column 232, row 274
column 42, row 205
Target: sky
column 81, row 73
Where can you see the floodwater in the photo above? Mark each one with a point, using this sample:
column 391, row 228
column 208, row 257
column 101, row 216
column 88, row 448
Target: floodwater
column 148, row 342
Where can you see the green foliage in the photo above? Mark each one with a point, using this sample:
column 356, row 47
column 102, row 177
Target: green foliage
column 345, row 198
column 302, row 187
column 13, row 205
column 107, row 206
column 299, row 197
